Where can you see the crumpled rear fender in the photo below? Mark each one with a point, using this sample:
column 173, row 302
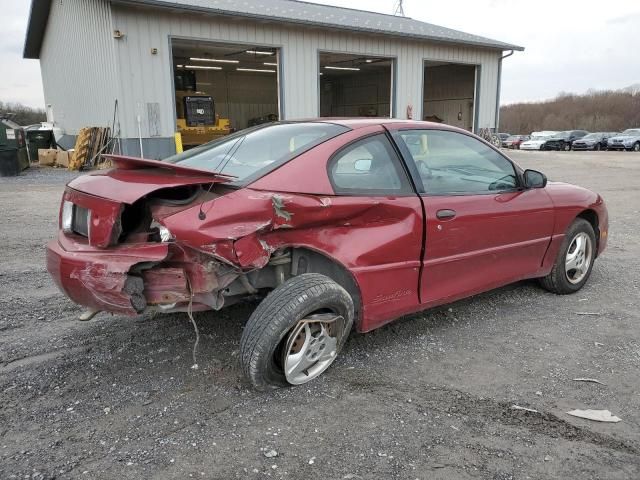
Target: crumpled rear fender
column 98, row 278
column 244, row 227
column 378, row 239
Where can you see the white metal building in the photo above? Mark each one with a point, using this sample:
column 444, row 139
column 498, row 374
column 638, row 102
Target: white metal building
column 254, row 57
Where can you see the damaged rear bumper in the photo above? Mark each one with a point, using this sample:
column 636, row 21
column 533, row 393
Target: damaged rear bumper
column 132, row 278
column 100, row 280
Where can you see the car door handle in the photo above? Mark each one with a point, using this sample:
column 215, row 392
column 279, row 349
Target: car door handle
column 445, row 214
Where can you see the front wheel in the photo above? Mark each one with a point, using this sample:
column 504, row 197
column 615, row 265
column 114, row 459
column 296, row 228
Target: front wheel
column 636, row 147
column 575, row 260
column 566, row 147
column 296, row 333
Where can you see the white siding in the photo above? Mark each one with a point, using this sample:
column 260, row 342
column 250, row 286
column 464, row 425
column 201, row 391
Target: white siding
column 78, row 64
column 85, row 69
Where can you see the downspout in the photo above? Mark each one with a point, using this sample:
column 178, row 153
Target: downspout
column 511, row 52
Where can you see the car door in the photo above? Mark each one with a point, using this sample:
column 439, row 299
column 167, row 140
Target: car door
column 483, row 229
column 381, row 244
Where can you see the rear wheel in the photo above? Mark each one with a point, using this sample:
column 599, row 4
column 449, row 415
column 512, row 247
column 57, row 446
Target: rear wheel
column 296, row 333
column 597, row 147
column 566, row 147
column 574, row 263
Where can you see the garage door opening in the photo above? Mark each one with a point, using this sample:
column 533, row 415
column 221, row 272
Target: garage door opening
column 222, row 88
column 355, row 86
column 450, row 94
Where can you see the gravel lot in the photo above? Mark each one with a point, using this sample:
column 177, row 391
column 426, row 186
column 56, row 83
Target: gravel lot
column 428, row 397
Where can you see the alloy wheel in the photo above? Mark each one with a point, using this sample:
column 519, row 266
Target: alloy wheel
column 311, row 347
column 578, row 258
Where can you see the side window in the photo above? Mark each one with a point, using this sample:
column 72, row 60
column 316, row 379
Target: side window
column 368, row 167
column 451, row 163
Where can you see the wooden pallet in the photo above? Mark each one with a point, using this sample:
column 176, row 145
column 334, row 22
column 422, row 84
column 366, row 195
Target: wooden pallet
column 91, row 143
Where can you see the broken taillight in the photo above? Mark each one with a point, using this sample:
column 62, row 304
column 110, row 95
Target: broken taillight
column 66, row 216
column 75, row 219
column 94, row 218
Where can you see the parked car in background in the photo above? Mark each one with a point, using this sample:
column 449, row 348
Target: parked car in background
column 503, row 137
column 335, row 224
column 538, row 140
column 514, row 141
column 564, row 140
column 593, row 141
column 627, row 140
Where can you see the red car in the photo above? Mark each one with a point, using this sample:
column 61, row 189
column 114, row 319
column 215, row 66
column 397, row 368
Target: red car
column 335, row 223
column 514, row 141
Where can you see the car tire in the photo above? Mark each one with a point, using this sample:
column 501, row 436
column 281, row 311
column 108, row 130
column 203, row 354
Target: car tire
column 566, row 147
column 307, row 300
column 597, row 148
column 560, row 280
column 636, row 147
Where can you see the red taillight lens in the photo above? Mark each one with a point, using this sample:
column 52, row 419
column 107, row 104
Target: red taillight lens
column 95, row 218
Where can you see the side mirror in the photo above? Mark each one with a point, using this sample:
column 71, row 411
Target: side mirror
column 362, row 165
column 534, row 179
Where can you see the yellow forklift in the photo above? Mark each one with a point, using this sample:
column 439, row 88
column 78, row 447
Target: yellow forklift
column 196, row 118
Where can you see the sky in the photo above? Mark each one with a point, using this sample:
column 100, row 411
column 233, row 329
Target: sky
column 570, row 45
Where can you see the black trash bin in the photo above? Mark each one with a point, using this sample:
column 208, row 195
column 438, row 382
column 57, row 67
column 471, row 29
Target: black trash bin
column 37, row 139
column 9, row 162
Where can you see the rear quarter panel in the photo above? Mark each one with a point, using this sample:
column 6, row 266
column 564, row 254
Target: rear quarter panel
column 377, row 239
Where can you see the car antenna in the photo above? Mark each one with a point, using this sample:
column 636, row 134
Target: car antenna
column 234, row 147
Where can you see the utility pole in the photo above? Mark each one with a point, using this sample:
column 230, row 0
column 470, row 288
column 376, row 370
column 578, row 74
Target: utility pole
column 399, row 11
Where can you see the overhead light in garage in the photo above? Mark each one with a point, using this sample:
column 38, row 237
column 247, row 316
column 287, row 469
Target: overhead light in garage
column 195, row 59
column 259, row 52
column 255, row 70
column 180, row 66
column 202, row 67
column 270, row 64
column 368, row 60
column 354, row 69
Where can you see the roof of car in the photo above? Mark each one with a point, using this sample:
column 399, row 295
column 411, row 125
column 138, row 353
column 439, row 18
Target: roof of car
column 361, row 122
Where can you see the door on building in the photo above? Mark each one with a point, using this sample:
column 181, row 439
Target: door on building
column 220, row 88
column 449, row 94
column 355, row 85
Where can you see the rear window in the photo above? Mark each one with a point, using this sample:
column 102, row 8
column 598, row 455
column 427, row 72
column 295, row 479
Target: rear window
column 249, row 154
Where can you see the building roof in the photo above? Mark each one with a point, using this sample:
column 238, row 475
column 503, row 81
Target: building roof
column 289, row 11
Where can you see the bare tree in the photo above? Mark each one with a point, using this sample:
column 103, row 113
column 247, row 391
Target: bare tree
column 594, row 111
column 21, row 114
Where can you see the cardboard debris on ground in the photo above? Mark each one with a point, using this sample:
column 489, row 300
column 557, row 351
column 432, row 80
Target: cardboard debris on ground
column 47, row 156
column 63, row 158
column 595, row 415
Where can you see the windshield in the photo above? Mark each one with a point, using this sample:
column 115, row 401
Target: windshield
column 250, row 153
column 631, row 131
column 561, row 135
column 592, row 136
